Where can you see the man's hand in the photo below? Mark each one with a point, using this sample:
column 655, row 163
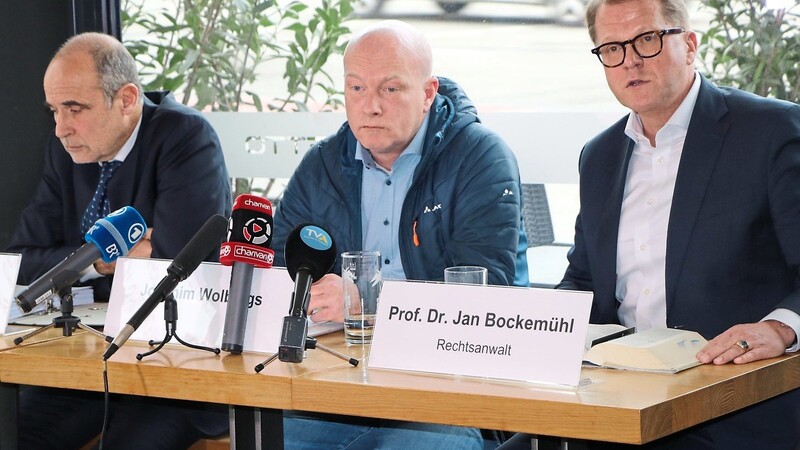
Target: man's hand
column 327, row 302
column 142, row 249
column 747, row 343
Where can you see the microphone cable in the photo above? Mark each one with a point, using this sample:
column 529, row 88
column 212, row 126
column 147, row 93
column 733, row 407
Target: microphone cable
column 106, row 404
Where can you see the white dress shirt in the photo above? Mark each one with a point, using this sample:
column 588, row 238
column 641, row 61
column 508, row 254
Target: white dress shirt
column 90, row 273
column 642, row 241
column 646, row 204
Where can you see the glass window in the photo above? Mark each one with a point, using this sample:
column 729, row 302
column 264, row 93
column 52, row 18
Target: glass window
column 513, row 58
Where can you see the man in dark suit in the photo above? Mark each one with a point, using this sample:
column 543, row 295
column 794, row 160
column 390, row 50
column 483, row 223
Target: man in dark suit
column 690, row 212
column 169, row 166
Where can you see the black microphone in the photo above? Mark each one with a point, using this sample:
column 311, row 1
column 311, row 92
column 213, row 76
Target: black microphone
column 248, row 246
column 199, row 247
column 310, row 254
column 109, row 238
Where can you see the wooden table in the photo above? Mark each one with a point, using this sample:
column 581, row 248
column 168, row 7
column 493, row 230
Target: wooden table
column 175, row 372
column 616, row 406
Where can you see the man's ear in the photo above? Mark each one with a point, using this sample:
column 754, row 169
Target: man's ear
column 129, row 94
column 691, row 50
column 431, row 88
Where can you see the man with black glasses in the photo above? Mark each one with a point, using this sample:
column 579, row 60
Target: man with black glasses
column 690, row 213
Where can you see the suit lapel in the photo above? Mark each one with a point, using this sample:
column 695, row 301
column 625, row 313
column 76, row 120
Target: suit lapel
column 611, row 215
column 124, row 181
column 607, row 232
column 701, row 149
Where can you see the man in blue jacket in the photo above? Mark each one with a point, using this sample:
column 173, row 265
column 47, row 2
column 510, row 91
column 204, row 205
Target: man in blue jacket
column 415, row 175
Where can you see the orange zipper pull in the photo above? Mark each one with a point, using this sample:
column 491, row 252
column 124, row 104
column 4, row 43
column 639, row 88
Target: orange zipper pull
column 416, row 238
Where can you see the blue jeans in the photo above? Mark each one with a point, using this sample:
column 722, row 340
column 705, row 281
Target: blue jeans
column 306, row 431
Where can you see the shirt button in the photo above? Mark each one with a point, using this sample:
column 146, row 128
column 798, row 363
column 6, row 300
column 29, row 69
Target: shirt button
column 642, row 247
column 660, row 159
column 386, row 222
column 388, row 182
column 386, row 261
column 647, row 292
column 649, row 201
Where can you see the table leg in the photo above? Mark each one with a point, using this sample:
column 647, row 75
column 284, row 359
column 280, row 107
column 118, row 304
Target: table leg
column 256, row 428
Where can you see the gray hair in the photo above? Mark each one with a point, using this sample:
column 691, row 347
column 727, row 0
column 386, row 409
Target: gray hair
column 114, row 65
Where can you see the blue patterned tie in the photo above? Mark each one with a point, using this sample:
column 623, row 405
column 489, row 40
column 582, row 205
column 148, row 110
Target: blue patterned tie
column 98, row 206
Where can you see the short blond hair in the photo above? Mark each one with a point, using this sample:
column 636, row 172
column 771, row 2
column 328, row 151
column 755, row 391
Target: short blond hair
column 674, row 11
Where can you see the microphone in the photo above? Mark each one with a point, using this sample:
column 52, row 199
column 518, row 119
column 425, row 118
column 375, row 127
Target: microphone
column 310, row 254
column 248, row 246
column 200, row 246
column 109, row 238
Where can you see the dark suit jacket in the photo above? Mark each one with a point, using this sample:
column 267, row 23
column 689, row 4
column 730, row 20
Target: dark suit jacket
column 175, row 176
column 733, row 240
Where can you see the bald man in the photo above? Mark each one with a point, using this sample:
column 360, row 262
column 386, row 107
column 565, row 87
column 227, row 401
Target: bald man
column 412, row 174
column 169, row 167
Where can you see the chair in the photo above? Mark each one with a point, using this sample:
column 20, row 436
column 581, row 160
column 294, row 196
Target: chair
column 546, row 258
column 536, row 213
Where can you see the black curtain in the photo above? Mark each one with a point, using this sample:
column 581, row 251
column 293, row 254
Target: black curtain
column 30, row 33
column 96, row 15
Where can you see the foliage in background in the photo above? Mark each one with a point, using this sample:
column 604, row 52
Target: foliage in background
column 753, row 48
column 209, row 51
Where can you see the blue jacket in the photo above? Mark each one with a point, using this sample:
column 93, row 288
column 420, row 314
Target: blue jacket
column 464, row 203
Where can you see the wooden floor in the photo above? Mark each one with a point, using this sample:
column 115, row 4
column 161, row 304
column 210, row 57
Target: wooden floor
column 220, row 443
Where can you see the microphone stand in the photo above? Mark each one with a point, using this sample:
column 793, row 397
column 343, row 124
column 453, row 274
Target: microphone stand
column 311, row 343
column 66, row 321
column 171, row 319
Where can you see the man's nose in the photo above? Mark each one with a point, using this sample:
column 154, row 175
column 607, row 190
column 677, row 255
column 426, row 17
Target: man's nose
column 63, row 128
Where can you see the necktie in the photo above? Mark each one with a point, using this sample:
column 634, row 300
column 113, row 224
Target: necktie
column 98, row 206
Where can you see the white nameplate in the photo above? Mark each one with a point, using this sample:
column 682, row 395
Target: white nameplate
column 9, row 269
column 202, row 302
column 533, row 335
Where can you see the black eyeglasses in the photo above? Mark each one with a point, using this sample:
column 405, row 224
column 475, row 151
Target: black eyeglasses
column 646, row 45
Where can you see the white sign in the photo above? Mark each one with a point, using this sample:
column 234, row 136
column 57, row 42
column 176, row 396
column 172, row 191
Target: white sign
column 534, row 335
column 9, row 269
column 202, row 302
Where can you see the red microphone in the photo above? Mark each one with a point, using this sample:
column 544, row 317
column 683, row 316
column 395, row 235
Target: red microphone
column 247, row 247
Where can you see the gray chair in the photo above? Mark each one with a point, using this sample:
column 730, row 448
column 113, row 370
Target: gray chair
column 536, row 212
column 546, row 257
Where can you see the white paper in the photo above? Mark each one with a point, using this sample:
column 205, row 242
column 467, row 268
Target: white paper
column 82, row 295
column 9, row 270
column 202, row 303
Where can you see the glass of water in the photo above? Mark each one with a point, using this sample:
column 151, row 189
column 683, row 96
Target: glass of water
column 361, row 284
column 466, row 275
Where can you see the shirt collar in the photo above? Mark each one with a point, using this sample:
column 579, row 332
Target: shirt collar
column 128, row 145
column 678, row 122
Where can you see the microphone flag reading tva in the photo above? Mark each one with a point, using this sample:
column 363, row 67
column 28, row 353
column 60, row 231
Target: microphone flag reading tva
column 109, row 238
column 248, row 246
column 310, row 254
column 202, row 244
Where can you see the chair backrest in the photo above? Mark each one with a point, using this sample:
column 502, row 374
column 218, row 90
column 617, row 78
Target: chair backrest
column 536, row 213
